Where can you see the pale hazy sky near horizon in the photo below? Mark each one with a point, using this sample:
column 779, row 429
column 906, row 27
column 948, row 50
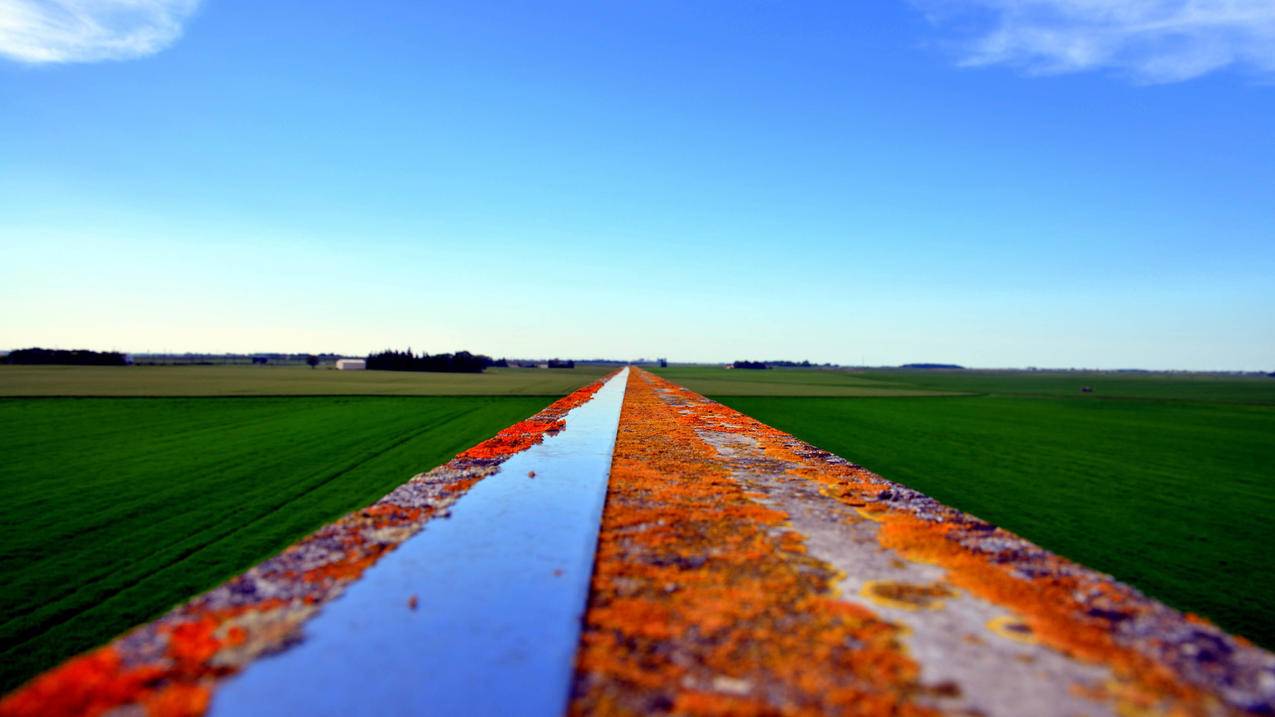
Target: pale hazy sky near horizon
column 983, row 182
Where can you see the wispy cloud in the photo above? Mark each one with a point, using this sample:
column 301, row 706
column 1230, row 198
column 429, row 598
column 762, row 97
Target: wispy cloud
column 42, row 31
column 1152, row 41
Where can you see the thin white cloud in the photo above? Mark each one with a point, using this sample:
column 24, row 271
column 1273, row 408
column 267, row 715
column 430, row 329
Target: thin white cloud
column 1152, row 41
column 43, row 31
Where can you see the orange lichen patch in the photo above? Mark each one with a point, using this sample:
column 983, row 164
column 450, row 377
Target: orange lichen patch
column 342, row 571
column 1047, row 605
column 792, row 542
column 169, row 668
column 715, row 703
column 191, row 644
column 88, row 685
column 702, row 604
column 172, row 684
column 525, row 434
column 1060, row 604
column 180, row 700
column 907, row 596
column 1012, row 628
column 383, row 514
column 874, row 515
column 515, row 439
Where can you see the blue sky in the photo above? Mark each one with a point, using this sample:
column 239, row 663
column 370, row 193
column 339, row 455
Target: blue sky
column 993, row 183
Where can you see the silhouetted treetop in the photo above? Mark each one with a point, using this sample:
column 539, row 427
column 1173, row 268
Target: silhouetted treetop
column 72, row 357
column 459, row 362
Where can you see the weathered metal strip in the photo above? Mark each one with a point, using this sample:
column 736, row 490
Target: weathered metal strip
column 173, row 665
column 477, row 615
column 742, row 571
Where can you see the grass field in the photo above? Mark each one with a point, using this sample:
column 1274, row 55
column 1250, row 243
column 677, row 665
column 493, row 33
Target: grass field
column 1162, row 480
column 113, row 510
column 285, row 381
column 716, row 381
column 1163, row 386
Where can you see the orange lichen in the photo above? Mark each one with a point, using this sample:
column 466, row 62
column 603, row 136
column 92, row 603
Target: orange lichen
column 193, row 643
column 702, row 604
column 179, row 700
column 514, row 439
column 908, row 596
column 1012, row 628
column 88, row 685
column 525, row 434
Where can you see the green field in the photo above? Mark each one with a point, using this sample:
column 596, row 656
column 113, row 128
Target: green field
column 114, row 509
column 1224, row 388
column 1162, row 480
column 716, row 381
column 285, row 381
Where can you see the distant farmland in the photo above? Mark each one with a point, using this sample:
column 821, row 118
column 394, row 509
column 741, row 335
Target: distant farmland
column 285, row 381
column 1163, row 480
column 114, row 509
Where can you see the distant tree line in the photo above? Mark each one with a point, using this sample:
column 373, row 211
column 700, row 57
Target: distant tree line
column 207, row 359
column 551, row 363
column 459, row 362
column 72, row 357
column 930, row 365
column 777, row 363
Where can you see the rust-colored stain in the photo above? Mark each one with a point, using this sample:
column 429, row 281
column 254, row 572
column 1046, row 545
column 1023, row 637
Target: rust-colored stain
column 705, row 603
column 169, row 668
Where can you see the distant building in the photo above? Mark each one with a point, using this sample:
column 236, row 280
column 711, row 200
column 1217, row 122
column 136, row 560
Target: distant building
column 350, row 364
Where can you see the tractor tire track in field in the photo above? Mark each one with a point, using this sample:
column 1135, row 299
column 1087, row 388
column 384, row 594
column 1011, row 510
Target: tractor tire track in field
column 61, row 617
